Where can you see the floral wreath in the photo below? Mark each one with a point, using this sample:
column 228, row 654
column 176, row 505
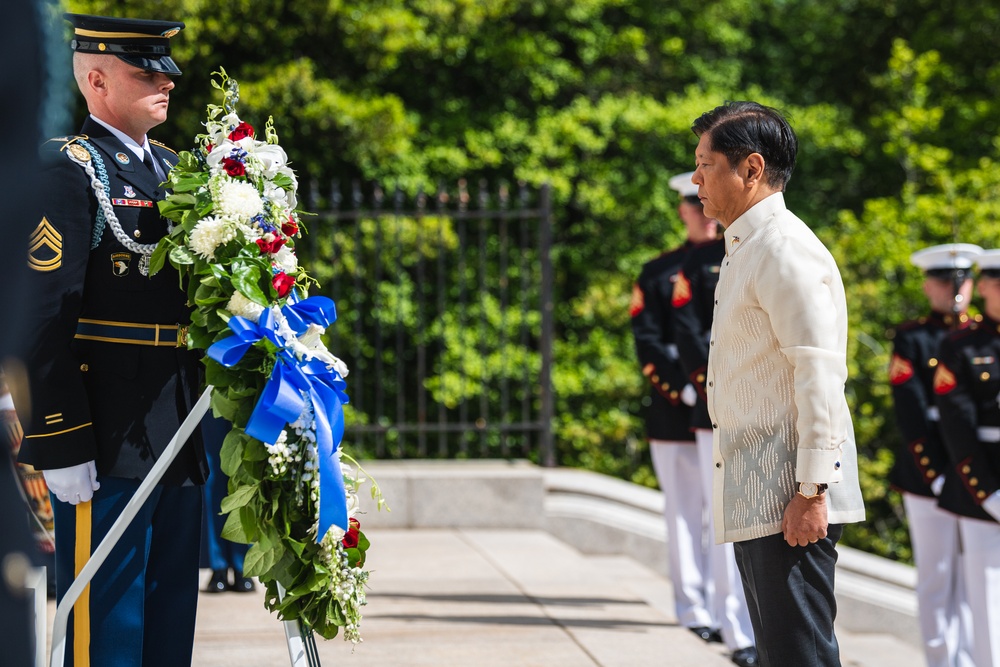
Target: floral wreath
column 292, row 495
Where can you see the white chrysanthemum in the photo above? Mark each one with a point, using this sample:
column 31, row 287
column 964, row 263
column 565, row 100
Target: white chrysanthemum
column 208, row 234
column 239, row 200
column 286, row 260
column 244, row 307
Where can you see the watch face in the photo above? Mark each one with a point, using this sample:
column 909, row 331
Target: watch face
column 808, row 489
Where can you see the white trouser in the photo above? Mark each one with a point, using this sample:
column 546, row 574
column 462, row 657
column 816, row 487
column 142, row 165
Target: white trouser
column 676, row 467
column 981, row 544
column 726, row 597
column 945, row 618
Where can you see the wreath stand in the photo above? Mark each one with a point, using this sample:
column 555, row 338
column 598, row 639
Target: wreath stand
column 301, row 642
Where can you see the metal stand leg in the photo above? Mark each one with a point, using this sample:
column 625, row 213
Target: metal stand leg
column 192, row 422
column 36, row 583
column 301, row 642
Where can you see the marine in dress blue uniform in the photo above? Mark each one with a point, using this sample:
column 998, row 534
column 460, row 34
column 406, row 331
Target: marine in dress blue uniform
column 111, row 377
column 967, row 392
column 693, row 302
column 921, row 470
column 671, row 442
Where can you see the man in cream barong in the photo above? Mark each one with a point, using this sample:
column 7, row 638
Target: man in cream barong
column 784, row 461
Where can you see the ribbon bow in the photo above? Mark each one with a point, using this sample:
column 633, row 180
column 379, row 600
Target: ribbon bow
column 293, row 381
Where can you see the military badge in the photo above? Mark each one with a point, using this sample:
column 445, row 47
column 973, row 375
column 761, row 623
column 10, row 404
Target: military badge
column 682, row 291
column 45, row 246
column 638, row 301
column 122, row 158
column 120, row 263
column 80, row 153
column 129, row 192
column 944, row 380
column 900, row 370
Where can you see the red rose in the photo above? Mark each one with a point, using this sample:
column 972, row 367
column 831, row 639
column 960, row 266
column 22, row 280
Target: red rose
column 234, row 167
column 270, row 247
column 282, row 283
column 290, row 228
column 351, row 536
column 242, row 131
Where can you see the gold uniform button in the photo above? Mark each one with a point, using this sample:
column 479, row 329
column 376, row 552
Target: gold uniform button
column 137, row 233
column 924, row 460
column 701, row 378
column 932, row 362
column 931, row 473
column 966, row 470
column 665, row 386
column 655, row 378
column 973, row 481
column 981, row 495
column 673, row 395
column 84, row 367
column 985, row 376
column 102, row 47
column 918, row 448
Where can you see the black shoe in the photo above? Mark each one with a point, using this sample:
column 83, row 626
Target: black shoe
column 707, row 634
column 219, row 581
column 745, row 657
column 242, row 584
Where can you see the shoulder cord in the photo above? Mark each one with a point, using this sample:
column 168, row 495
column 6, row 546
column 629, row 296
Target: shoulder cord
column 107, row 211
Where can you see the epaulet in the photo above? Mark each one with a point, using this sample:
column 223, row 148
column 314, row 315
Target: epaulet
column 163, row 146
column 62, row 143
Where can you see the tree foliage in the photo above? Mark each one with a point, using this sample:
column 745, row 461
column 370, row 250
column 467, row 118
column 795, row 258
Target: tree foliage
column 895, row 106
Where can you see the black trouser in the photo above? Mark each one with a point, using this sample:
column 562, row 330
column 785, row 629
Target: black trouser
column 791, row 600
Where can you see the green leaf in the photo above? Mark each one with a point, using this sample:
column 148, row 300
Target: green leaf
column 240, row 497
column 259, row 561
column 246, row 278
column 231, row 455
column 233, row 531
column 159, row 256
column 182, row 256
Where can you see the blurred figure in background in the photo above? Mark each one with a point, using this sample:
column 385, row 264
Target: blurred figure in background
column 225, row 558
column 966, row 388
column 668, row 421
column 921, row 464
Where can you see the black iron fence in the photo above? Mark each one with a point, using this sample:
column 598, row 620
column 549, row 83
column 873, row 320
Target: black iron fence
column 445, row 317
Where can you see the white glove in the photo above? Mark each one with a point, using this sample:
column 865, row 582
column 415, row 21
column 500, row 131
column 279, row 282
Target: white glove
column 73, row 485
column 689, row 395
column 937, row 485
column 992, row 505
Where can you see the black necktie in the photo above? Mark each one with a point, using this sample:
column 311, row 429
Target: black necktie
column 148, row 161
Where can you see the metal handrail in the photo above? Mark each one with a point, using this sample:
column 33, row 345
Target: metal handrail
column 193, row 420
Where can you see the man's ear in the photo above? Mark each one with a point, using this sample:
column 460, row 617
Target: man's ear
column 755, row 168
column 97, row 81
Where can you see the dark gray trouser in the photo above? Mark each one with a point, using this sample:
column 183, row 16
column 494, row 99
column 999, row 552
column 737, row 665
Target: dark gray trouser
column 790, row 595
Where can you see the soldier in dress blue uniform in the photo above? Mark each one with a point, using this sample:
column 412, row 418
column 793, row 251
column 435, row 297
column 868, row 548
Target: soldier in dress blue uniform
column 668, row 419
column 921, row 465
column 967, row 391
column 111, row 377
column 693, row 303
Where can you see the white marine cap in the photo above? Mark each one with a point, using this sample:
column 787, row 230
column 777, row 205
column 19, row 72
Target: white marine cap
column 989, row 260
column 682, row 183
column 949, row 256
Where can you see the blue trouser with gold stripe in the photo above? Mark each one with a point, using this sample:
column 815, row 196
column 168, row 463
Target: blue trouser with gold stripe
column 140, row 607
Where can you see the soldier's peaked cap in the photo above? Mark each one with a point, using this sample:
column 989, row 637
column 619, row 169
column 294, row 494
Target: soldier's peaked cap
column 989, row 263
column 682, row 183
column 940, row 259
column 141, row 43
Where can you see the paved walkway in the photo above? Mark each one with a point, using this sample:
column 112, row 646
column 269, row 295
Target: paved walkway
column 484, row 598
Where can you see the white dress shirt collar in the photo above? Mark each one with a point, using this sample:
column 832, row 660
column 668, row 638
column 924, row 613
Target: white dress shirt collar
column 754, row 218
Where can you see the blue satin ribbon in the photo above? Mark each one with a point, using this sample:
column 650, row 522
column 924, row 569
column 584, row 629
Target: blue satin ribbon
column 291, row 384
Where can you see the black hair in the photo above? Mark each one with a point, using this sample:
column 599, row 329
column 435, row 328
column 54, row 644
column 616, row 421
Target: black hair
column 737, row 129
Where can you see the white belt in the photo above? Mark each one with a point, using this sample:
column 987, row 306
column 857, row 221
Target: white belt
column 989, row 433
column 933, row 414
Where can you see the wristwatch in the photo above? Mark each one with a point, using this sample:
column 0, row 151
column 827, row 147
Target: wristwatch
column 810, row 489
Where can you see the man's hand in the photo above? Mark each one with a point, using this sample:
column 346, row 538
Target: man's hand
column 805, row 520
column 73, row 485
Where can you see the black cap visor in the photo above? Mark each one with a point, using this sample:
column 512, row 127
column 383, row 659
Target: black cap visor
column 163, row 64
